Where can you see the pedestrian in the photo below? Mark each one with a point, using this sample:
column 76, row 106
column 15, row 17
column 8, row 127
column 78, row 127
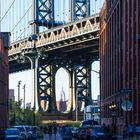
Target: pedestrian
column 125, row 133
column 79, row 134
column 50, row 132
column 130, row 130
column 55, row 130
column 138, row 132
column 69, row 135
column 93, row 134
column 45, row 131
column 88, row 134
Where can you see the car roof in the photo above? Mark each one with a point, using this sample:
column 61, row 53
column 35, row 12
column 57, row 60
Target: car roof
column 90, row 122
column 11, row 128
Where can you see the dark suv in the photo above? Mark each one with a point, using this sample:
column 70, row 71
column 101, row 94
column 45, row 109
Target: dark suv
column 88, row 123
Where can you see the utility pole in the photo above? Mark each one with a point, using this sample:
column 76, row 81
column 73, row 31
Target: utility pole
column 19, row 82
column 24, row 94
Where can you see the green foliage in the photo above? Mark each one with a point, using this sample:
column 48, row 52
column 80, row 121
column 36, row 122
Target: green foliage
column 74, row 123
column 19, row 116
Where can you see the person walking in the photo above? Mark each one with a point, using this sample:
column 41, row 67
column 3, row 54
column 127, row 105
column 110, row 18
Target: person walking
column 125, row 133
column 55, row 130
column 93, row 134
column 50, row 132
column 88, row 134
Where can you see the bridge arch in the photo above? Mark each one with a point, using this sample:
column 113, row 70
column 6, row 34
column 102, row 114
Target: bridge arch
column 62, row 90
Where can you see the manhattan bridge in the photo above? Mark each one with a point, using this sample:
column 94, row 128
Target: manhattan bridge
column 47, row 35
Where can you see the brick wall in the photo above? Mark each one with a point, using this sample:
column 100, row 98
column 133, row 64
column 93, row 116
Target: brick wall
column 3, row 80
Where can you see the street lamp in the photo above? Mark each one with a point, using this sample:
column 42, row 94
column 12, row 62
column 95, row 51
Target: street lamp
column 19, row 83
column 34, row 64
column 24, row 95
column 19, row 103
column 76, row 111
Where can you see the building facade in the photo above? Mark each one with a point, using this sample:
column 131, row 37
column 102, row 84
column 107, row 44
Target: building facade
column 120, row 62
column 4, row 44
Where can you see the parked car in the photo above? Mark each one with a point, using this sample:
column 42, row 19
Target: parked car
column 22, row 131
column 10, row 134
column 82, row 133
column 99, row 132
column 88, row 123
column 74, row 131
column 35, row 132
column 29, row 132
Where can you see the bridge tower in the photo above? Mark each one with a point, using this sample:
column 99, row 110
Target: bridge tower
column 79, row 71
column 43, row 14
column 79, row 9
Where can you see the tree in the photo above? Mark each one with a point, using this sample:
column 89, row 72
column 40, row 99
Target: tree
column 18, row 115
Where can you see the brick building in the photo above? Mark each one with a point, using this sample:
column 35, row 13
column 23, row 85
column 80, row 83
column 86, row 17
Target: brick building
column 120, row 62
column 4, row 44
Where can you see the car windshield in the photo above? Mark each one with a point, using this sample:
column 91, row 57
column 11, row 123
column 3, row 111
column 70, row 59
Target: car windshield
column 88, row 123
column 12, row 132
column 21, row 129
column 27, row 128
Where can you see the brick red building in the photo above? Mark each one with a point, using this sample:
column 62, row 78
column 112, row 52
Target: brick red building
column 120, row 61
column 4, row 44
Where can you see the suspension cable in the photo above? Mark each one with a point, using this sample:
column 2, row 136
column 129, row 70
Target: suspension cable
column 7, row 10
column 21, row 18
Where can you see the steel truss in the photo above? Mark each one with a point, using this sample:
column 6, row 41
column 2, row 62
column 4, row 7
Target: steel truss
column 43, row 14
column 81, row 9
column 81, row 85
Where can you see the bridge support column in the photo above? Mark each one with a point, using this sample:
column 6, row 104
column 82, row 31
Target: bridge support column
column 82, row 79
column 47, row 88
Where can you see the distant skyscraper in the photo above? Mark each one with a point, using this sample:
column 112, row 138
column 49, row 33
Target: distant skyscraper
column 63, row 95
column 62, row 103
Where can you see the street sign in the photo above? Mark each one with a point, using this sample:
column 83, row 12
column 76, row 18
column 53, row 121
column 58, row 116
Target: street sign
column 127, row 105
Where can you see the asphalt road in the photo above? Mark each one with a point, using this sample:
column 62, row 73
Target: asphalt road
column 58, row 137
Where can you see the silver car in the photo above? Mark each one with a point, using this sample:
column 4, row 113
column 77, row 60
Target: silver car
column 12, row 134
column 22, row 131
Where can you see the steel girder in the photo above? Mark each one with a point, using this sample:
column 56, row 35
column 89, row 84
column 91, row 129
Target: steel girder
column 83, row 86
column 46, row 86
column 79, row 81
column 43, row 14
column 79, row 71
column 81, row 9
column 46, row 89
